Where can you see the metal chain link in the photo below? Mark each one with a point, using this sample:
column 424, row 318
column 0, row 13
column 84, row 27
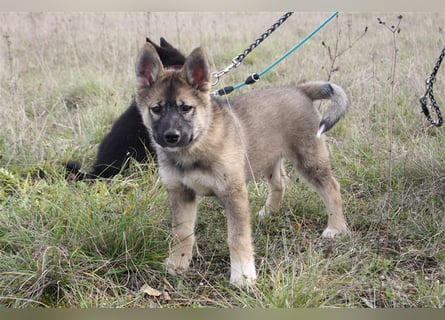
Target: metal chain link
column 429, row 94
column 268, row 32
column 237, row 60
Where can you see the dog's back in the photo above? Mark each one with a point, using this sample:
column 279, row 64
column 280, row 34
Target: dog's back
column 278, row 121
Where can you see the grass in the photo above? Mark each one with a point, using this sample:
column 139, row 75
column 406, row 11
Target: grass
column 66, row 77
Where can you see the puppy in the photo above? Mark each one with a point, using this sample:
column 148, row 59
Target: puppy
column 212, row 146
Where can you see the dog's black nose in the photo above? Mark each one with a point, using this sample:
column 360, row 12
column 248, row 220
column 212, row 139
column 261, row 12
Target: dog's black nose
column 172, row 137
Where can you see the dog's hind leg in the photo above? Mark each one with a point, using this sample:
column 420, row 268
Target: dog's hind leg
column 184, row 205
column 315, row 166
column 330, row 193
column 277, row 179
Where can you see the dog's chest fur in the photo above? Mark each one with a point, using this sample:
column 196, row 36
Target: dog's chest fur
column 201, row 176
column 214, row 164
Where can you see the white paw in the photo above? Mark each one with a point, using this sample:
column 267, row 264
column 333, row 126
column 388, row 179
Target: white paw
column 177, row 264
column 243, row 275
column 331, row 232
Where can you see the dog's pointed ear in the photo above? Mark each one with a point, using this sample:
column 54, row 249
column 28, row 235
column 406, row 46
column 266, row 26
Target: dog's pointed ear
column 196, row 70
column 148, row 40
column 148, row 66
column 165, row 44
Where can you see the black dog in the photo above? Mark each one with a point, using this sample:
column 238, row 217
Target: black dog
column 128, row 137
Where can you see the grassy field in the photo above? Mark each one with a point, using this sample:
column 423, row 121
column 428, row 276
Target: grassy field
column 66, row 77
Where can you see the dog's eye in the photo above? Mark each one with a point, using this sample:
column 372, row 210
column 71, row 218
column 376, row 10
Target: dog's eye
column 185, row 108
column 156, row 110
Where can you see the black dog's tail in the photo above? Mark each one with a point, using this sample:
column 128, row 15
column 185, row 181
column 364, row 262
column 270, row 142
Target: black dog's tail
column 74, row 172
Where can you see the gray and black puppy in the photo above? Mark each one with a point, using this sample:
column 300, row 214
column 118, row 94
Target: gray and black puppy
column 211, row 146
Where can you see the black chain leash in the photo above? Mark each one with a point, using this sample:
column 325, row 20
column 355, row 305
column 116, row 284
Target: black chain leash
column 429, row 94
column 237, row 60
column 269, row 31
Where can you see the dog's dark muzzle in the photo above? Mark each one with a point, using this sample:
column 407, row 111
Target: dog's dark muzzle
column 172, row 130
column 172, row 137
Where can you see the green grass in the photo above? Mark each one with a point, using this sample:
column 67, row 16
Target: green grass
column 66, row 77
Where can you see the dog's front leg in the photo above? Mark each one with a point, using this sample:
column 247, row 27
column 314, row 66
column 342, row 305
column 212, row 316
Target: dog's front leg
column 183, row 203
column 242, row 264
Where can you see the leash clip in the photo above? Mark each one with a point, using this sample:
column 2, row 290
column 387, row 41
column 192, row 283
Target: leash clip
column 235, row 62
column 218, row 74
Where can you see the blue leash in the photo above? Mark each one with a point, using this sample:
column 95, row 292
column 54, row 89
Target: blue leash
column 256, row 76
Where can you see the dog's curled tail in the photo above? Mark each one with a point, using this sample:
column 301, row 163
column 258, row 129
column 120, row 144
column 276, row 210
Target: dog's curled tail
column 317, row 90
